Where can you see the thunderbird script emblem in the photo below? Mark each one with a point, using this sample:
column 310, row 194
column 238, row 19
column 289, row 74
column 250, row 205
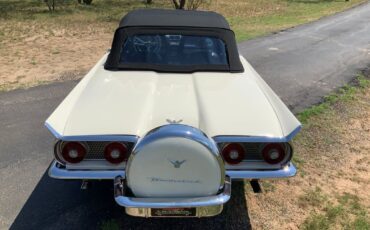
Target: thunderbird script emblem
column 176, row 164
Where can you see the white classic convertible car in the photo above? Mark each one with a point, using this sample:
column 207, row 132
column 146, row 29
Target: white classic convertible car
column 172, row 114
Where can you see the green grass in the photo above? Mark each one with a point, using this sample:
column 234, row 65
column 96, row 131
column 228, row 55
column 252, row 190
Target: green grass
column 347, row 214
column 329, row 135
column 345, row 93
column 110, row 225
column 313, row 197
column 298, row 161
column 320, row 129
column 325, row 221
column 316, row 222
column 285, row 15
column 331, row 211
column 267, row 186
column 72, row 12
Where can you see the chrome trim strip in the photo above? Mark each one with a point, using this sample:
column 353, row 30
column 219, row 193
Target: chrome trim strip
column 134, row 202
column 127, row 138
column 58, row 171
column 287, row 171
column 236, row 138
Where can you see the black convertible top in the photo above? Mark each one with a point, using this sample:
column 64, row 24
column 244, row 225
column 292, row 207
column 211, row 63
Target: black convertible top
column 183, row 18
column 176, row 22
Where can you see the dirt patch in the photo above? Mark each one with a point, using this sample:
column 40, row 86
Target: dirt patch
column 38, row 56
column 331, row 190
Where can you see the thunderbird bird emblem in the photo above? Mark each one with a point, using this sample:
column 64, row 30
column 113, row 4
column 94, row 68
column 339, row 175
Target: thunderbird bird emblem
column 176, row 164
column 171, row 121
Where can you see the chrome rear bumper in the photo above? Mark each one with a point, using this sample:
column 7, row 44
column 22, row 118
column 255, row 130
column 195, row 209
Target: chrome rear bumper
column 147, row 207
column 134, row 202
column 58, row 171
column 144, row 207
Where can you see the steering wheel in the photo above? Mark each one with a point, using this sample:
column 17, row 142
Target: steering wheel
column 147, row 44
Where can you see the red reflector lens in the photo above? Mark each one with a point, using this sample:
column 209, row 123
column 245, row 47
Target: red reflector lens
column 273, row 153
column 233, row 153
column 115, row 153
column 73, row 152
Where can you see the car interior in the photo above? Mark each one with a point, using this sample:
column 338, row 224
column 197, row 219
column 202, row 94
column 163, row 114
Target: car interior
column 173, row 49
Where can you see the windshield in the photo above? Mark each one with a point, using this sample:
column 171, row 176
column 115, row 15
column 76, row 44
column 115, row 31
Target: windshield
column 173, row 50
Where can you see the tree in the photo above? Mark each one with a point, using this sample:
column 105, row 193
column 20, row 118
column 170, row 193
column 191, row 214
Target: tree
column 87, row 2
column 188, row 4
column 50, row 4
column 179, row 4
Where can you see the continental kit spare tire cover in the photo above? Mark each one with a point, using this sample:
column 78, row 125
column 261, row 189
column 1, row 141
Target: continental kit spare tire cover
column 175, row 161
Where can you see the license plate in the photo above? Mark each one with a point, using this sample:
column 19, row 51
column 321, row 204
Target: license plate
column 173, row 212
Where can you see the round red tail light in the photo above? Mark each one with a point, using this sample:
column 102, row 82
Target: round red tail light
column 115, row 153
column 273, row 153
column 73, row 152
column 233, row 153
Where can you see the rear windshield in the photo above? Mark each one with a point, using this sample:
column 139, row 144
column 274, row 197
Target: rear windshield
column 173, row 50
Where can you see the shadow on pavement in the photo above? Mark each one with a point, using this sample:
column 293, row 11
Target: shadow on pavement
column 57, row 204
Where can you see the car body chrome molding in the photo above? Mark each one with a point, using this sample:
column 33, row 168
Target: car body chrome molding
column 186, row 202
column 237, row 138
column 58, row 171
column 287, row 171
column 125, row 138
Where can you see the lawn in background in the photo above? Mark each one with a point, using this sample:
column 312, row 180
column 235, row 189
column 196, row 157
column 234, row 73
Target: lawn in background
column 249, row 18
column 37, row 46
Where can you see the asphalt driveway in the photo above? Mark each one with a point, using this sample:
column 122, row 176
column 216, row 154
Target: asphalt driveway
column 301, row 64
column 305, row 63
